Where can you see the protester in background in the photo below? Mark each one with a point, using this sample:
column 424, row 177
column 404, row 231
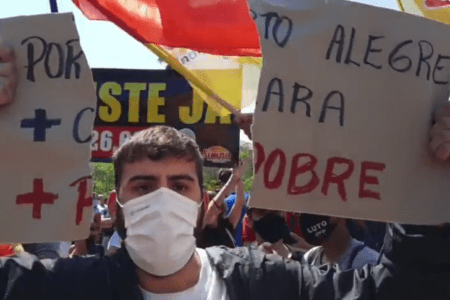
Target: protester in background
column 234, row 206
column 94, row 200
column 218, row 228
column 112, row 205
column 114, row 242
column 273, row 235
column 249, row 237
column 369, row 232
column 10, row 249
column 102, row 207
column 248, row 234
column 334, row 243
column 93, row 244
column 43, row 250
column 108, row 220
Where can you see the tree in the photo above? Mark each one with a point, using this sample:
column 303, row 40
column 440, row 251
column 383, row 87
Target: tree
column 246, row 155
column 103, row 177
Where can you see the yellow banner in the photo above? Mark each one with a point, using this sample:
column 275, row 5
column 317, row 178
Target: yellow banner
column 438, row 10
column 226, row 83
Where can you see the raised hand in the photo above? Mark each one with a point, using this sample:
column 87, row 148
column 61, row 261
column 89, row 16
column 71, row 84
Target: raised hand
column 440, row 134
column 8, row 75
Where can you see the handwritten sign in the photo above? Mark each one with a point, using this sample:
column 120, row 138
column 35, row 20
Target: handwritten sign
column 133, row 100
column 344, row 109
column 45, row 134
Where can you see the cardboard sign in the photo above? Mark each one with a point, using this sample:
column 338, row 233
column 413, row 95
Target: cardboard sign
column 344, row 110
column 44, row 136
column 133, row 100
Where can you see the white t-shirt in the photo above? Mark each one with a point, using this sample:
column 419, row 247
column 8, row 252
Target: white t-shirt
column 364, row 256
column 209, row 287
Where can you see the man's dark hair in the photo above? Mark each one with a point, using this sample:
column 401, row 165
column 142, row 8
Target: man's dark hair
column 157, row 143
column 224, row 175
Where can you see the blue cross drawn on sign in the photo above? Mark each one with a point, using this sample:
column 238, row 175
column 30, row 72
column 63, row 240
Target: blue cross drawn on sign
column 40, row 123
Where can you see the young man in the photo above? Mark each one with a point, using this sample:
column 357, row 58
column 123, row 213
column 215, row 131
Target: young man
column 334, row 243
column 159, row 185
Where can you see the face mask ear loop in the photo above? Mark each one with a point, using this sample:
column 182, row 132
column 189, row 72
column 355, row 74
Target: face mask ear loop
column 200, row 204
column 118, row 203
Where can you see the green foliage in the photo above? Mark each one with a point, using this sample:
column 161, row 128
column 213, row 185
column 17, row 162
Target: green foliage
column 247, row 156
column 103, row 177
column 248, row 183
column 210, row 181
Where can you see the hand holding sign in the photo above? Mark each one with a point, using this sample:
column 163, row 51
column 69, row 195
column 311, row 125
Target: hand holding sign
column 45, row 133
column 440, row 134
column 8, row 75
column 245, row 122
column 237, row 172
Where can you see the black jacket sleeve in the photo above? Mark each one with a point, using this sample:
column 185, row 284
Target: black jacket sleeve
column 24, row 276
column 415, row 265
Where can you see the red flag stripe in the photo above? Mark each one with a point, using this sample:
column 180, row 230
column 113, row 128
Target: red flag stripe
column 223, row 27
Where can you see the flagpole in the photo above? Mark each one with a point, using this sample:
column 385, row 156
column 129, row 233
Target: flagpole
column 53, row 6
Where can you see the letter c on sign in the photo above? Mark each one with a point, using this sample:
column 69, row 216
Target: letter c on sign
column 76, row 127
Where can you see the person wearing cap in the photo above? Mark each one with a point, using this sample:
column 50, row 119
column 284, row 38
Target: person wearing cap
column 334, row 244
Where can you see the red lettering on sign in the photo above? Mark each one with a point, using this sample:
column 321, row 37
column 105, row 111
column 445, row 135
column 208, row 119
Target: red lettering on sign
column 365, row 179
column 260, row 156
column 83, row 200
column 330, row 177
column 297, row 170
column 276, row 182
column 37, row 198
column 309, row 166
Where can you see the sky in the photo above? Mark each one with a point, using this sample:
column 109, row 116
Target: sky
column 105, row 44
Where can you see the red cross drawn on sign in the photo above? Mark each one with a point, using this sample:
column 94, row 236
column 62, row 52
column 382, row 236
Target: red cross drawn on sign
column 37, row 198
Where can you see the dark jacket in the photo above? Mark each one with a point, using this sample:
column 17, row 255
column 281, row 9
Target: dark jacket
column 415, row 265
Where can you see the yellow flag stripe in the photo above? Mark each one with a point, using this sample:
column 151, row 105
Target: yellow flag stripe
column 164, row 55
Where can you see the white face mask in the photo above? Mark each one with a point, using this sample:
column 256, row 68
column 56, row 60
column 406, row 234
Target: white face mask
column 160, row 231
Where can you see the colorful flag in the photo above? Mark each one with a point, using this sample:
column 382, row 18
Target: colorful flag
column 221, row 27
column 226, row 83
column 438, row 10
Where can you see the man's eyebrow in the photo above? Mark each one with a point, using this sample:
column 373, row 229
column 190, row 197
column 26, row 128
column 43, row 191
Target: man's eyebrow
column 143, row 177
column 182, row 177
